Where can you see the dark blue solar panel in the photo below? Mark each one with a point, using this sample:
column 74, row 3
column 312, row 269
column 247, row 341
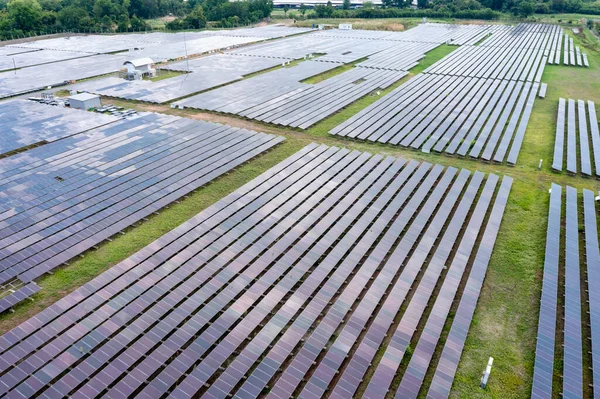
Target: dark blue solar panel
column 544, row 352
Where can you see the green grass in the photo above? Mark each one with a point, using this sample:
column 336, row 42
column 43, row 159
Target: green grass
column 163, row 74
column 565, row 18
column 505, row 321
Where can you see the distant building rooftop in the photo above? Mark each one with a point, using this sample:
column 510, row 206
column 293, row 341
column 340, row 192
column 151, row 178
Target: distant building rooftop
column 83, row 96
column 139, row 62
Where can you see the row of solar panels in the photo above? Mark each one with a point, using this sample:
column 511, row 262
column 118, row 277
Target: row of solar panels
column 566, row 259
column 159, row 47
column 483, row 118
column 476, row 101
column 518, row 57
column 350, row 46
column 15, row 296
column 512, row 36
column 278, row 289
column 400, row 57
column 582, row 138
column 493, row 62
column 58, row 200
column 572, row 54
column 25, row 123
column 280, row 98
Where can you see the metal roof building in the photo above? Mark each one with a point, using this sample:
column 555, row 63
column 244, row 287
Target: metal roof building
column 84, row 101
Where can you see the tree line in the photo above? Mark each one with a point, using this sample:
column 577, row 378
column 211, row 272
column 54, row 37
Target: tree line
column 470, row 9
column 225, row 13
column 19, row 18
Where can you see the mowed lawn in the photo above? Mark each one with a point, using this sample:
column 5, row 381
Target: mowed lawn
column 505, row 322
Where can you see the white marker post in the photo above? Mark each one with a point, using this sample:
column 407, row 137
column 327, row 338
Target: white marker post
column 486, row 373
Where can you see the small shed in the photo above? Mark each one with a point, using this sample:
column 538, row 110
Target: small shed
column 140, row 64
column 85, row 101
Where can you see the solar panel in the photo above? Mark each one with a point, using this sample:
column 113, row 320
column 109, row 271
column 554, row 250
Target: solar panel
column 423, row 353
column 220, row 305
column 568, row 262
column 448, row 363
column 584, row 143
column 478, row 98
column 572, row 363
column 291, row 102
column 581, row 124
column 557, row 159
column 571, row 138
column 19, row 295
column 25, row 123
column 544, row 351
column 57, row 206
column 595, row 136
column 592, row 258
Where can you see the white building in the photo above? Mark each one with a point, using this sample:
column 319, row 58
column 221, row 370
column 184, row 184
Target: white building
column 85, row 101
column 138, row 68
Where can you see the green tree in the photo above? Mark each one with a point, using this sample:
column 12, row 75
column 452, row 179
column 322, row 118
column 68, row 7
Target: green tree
column 303, row 9
column 346, row 5
column 26, row 14
column 138, row 24
column 558, row 5
column 422, row 3
column 196, row 19
column 526, row 8
column 71, row 16
column 103, row 8
column 286, row 8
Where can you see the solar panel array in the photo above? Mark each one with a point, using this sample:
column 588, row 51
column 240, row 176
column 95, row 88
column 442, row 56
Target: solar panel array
column 105, row 44
column 348, row 46
column 278, row 289
column 95, row 54
column 582, row 150
column 572, row 55
column 279, row 97
column 58, row 200
column 457, row 34
column 25, row 123
column 395, row 51
column 474, row 102
column 36, row 57
column 389, row 55
column 566, row 259
column 203, row 74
